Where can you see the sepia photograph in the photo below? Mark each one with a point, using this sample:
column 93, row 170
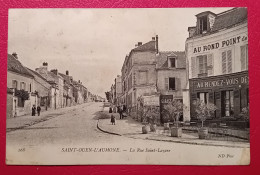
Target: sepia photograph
column 144, row 86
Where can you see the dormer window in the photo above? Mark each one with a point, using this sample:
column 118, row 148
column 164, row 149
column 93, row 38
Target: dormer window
column 203, row 24
column 172, row 62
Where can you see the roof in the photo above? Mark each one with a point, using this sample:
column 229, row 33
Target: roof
column 162, row 62
column 35, row 73
column 49, row 76
column 230, row 18
column 150, row 46
column 16, row 66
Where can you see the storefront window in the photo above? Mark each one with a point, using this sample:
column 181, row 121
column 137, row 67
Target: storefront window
column 203, row 96
column 228, row 103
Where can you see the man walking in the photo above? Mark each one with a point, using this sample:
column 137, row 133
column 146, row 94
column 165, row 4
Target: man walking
column 120, row 111
column 38, row 110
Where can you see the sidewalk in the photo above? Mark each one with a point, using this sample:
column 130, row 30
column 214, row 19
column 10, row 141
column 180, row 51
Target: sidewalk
column 28, row 120
column 133, row 129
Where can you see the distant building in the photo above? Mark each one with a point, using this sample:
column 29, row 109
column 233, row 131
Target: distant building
column 217, row 59
column 56, row 81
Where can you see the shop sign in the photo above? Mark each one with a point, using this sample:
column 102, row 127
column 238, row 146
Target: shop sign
column 220, row 44
column 151, row 100
column 221, row 82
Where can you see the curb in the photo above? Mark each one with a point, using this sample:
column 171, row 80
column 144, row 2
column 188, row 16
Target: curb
column 174, row 141
column 107, row 131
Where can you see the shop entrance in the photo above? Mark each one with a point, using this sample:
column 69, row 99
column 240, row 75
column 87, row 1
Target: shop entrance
column 227, row 103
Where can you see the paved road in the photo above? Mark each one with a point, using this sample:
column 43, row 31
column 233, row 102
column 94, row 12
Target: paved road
column 76, row 127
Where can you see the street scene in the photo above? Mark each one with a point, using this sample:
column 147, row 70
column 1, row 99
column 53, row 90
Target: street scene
column 92, row 90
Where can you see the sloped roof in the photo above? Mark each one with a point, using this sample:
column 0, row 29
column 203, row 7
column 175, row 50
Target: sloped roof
column 35, row 73
column 229, row 18
column 150, row 46
column 49, row 76
column 16, row 66
column 162, row 62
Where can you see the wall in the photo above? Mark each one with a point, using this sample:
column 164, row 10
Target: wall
column 219, row 37
column 9, row 106
column 19, row 78
column 180, row 81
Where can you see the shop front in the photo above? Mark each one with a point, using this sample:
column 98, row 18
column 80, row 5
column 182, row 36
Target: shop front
column 229, row 92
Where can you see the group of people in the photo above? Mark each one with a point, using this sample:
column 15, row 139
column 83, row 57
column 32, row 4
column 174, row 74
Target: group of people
column 34, row 110
column 121, row 110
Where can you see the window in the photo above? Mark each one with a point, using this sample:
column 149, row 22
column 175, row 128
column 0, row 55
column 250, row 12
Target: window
column 227, row 62
column 14, row 84
column 143, row 77
column 244, row 57
column 170, row 83
column 172, row 62
column 228, row 103
column 22, row 86
column 203, row 24
column 30, row 87
column 203, row 96
column 202, row 64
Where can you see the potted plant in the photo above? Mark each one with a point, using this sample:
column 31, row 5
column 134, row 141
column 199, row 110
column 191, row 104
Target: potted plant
column 203, row 111
column 175, row 109
column 153, row 117
column 145, row 127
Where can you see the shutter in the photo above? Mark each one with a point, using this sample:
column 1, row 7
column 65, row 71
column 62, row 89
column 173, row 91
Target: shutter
column 243, row 57
column 229, row 60
column 193, row 67
column 224, row 63
column 178, row 84
column 210, row 64
column 166, row 84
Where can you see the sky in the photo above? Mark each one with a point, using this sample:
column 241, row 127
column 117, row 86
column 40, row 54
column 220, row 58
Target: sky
column 92, row 43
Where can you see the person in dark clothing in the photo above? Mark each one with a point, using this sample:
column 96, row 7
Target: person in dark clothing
column 38, row 110
column 113, row 119
column 124, row 108
column 110, row 110
column 120, row 113
column 33, row 110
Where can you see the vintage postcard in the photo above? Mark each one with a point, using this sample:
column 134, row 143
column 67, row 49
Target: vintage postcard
column 128, row 86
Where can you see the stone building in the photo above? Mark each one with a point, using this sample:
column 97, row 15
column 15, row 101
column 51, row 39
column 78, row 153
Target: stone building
column 44, row 91
column 139, row 74
column 56, row 81
column 20, row 88
column 67, row 89
column 217, row 59
column 171, row 77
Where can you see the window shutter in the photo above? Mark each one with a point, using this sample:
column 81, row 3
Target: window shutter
column 193, row 67
column 166, row 84
column 229, row 60
column 243, row 57
column 224, row 63
column 210, row 64
column 177, row 84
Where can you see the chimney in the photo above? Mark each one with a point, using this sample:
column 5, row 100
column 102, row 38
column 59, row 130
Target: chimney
column 156, row 44
column 55, row 71
column 67, row 72
column 153, row 38
column 15, row 55
column 79, row 81
column 45, row 65
column 139, row 43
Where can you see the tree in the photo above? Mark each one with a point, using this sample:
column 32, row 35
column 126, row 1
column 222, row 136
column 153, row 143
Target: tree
column 203, row 110
column 108, row 96
column 173, row 110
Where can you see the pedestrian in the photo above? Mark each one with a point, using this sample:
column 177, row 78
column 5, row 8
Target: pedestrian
column 33, row 110
column 110, row 110
column 120, row 113
column 38, row 110
column 113, row 119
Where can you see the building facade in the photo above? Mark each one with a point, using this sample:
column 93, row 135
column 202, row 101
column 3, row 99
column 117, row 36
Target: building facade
column 217, row 60
column 171, row 78
column 20, row 88
column 139, row 73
